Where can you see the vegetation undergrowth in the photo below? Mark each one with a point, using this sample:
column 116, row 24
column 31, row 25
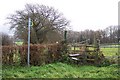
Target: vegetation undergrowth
column 60, row 70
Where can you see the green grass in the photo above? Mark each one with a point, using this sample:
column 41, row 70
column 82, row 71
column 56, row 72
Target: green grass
column 19, row 43
column 76, row 48
column 60, row 70
column 106, row 51
column 109, row 51
column 109, row 46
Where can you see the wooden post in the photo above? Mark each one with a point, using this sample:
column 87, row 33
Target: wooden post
column 97, row 49
column 74, row 48
column 98, row 45
column 85, row 53
column 65, row 42
column 65, row 36
column 74, row 45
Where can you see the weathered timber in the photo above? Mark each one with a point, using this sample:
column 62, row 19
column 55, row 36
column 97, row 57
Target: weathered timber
column 71, row 55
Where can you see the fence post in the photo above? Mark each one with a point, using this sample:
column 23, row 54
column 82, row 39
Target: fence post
column 65, row 35
column 97, row 48
column 65, row 40
column 85, row 52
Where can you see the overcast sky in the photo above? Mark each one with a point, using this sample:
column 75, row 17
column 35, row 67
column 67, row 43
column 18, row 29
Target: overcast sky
column 83, row 14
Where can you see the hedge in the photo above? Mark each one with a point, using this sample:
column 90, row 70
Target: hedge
column 39, row 54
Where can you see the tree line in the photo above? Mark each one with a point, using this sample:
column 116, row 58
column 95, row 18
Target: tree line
column 48, row 26
column 107, row 35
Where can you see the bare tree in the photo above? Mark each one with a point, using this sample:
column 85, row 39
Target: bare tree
column 44, row 19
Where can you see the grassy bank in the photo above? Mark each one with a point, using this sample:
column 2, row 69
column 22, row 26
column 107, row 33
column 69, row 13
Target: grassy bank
column 60, row 70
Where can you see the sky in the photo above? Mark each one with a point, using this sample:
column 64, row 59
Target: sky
column 82, row 14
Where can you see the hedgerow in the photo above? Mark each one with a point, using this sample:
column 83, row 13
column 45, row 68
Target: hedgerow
column 39, row 54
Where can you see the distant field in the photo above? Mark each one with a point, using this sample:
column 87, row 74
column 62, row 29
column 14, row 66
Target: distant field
column 109, row 46
column 60, row 70
column 107, row 51
column 110, row 51
column 19, row 43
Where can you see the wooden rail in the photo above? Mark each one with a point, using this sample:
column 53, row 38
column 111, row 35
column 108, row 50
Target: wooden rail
column 82, row 53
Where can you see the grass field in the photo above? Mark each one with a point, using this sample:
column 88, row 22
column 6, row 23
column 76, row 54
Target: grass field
column 109, row 46
column 60, row 70
column 106, row 51
column 110, row 51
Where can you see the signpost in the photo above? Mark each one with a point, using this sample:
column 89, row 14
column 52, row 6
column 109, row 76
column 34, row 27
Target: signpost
column 29, row 25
